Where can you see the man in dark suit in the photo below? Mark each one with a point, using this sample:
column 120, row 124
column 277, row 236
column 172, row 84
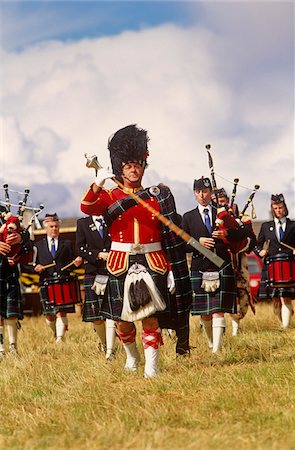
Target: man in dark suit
column 92, row 245
column 214, row 293
column 279, row 231
column 56, row 253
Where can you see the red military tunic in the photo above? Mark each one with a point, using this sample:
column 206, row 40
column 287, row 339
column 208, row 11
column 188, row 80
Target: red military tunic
column 136, row 226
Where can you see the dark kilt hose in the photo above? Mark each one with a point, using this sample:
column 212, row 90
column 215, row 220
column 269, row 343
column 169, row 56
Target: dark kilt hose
column 176, row 314
column 11, row 304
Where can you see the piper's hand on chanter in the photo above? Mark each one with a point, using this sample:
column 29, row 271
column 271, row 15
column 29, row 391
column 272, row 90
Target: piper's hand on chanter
column 102, row 176
column 13, row 238
column 207, row 242
column 219, row 234
column 4, row 248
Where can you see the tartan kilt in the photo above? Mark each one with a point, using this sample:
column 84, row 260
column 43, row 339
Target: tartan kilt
column 223, row 300
column 92, row 304
column 48, row 308
column 11, row 304
column 268, row 292
column 112, row 304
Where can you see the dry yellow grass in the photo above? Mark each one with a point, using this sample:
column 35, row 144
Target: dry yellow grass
column 67, row 397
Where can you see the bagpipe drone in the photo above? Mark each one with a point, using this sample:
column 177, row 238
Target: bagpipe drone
column 225, row 214
column 12, row 224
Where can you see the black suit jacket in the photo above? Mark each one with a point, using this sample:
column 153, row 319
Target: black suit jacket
column 268, row 232
column 64, row 256
column 193, row 224
column 89, row 243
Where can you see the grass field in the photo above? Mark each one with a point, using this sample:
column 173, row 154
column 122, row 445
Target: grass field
column 66, row 397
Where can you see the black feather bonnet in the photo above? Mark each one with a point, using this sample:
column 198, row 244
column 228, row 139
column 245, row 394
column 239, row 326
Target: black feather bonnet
column 129, row 144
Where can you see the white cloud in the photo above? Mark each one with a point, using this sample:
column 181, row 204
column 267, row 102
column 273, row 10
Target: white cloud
column 60, row 100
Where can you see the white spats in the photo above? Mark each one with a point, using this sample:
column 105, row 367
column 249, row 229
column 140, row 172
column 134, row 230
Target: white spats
column 12, row 349
column 235, row 326
column 110, row 338
column 286, row 313
column 151, row 362
column 218, row 329
column 132, row 357
column 12, row 333
column 61, row 327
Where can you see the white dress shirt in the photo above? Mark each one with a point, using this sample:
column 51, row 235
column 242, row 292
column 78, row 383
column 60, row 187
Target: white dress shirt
column 49, row 242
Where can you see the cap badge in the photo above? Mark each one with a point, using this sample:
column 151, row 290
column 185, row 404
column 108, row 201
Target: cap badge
column 154, row 190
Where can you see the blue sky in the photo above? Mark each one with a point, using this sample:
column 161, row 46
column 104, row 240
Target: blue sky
column 191, row 73
column 73, row 20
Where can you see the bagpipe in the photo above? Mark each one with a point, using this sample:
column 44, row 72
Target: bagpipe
column 12, row 225
column 225, row 219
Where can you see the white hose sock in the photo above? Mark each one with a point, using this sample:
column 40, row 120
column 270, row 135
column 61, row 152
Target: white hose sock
column 61, row 327
column 286, row 312
column 110, row 337
column 218, row 328
column 12, row 331
column 151, row 362
column 235, row 326
column 132, row 356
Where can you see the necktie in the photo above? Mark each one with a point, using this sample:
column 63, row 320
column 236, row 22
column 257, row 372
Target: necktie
column 53, row 249
column 281, row 231
column 207, row 220
column 100, row 228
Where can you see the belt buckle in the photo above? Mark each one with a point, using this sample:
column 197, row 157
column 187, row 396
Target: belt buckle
column 137, row 248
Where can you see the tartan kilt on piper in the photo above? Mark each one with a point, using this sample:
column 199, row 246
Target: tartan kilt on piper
column 11, row 304
column 112, row 304
column 268, row 292
column 223, row 300
column 91, row 308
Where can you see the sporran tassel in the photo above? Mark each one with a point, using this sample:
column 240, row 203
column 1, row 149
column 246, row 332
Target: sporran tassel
column 141, row 296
